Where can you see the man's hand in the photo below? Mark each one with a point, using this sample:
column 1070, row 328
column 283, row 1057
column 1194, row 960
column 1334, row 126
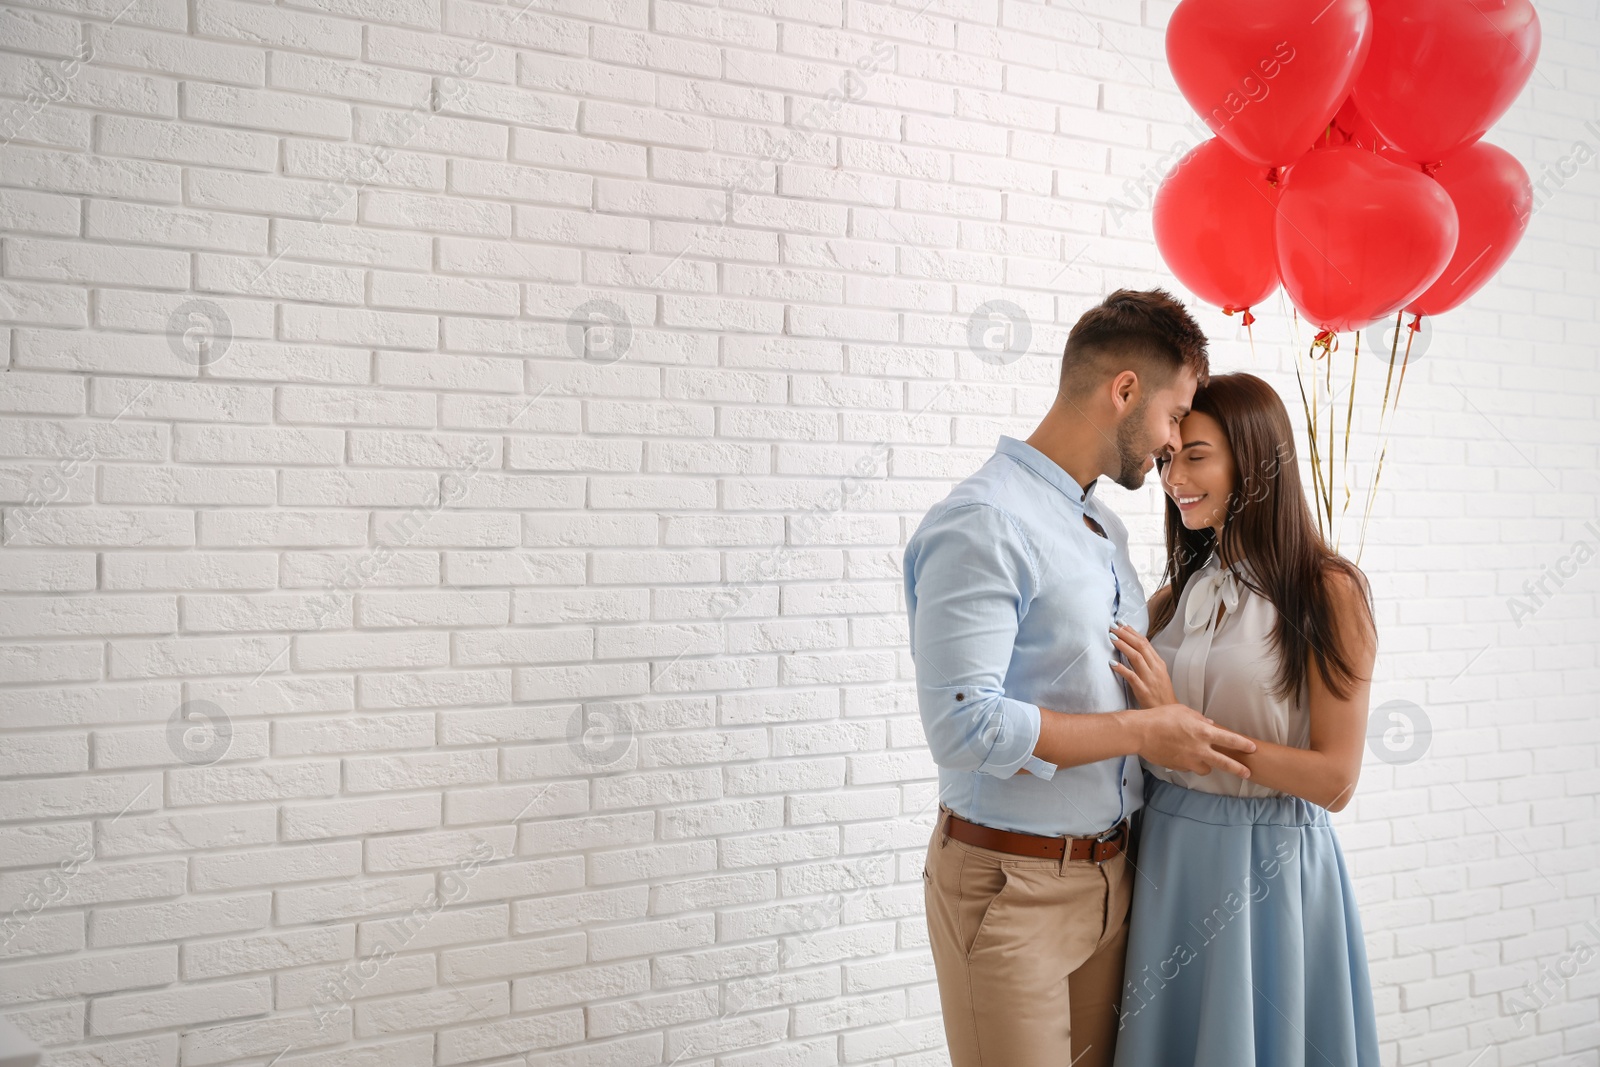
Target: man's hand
column 1169, row 735
column 1177, row 736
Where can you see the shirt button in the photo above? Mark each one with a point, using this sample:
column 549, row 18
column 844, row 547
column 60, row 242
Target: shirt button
column 1124, row 781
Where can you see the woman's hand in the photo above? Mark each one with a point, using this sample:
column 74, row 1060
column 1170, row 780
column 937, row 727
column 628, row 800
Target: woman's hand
column 1145, row 671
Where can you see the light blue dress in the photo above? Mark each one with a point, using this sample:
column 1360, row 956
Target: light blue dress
column 1245, row 946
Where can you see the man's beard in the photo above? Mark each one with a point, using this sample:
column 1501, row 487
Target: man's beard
column 1131, row 457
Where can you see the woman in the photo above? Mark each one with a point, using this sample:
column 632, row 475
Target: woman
column 1245, row 945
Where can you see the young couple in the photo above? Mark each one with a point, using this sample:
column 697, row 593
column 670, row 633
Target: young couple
column 1133, row 863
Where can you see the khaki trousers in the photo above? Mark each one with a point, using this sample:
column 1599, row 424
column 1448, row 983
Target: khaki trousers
column 1028, row 954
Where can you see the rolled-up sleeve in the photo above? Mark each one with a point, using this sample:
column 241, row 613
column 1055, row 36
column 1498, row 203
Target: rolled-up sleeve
column 969, row 578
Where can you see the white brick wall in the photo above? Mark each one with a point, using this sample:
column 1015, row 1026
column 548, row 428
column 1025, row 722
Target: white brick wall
column 568, row 698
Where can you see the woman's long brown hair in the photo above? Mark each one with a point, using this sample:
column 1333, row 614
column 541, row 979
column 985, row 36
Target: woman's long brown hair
column 1269, row 526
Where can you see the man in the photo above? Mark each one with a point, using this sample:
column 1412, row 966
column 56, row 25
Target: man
column 1013, row 584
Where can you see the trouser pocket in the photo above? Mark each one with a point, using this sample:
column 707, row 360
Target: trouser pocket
column 982, row 896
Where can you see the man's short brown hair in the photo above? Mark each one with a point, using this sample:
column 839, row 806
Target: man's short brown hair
column 1148, row 332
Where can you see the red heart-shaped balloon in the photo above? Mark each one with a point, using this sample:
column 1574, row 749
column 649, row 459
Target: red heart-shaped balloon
column 1493, row 200
column 1267, row 77
column 1442, row 71
column 1213, row 220
column 1359, row 237
column 1350, row 126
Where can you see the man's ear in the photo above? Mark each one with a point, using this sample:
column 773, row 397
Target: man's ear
column 1125, row 389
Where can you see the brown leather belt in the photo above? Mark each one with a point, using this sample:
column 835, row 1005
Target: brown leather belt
column 1098, row 848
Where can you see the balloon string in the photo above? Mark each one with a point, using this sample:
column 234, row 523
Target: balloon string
column 1311, row 436
column 1327, row 365
column 1416, row 327
column 1311, row 405
column 1383, row 415
column 1349, row 419
column 1386, row 413
column 1307, row 405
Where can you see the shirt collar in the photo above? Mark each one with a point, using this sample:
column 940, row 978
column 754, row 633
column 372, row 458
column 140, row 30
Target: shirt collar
column 1047, row 468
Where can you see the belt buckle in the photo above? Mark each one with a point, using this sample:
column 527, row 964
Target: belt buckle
column 1116, row 833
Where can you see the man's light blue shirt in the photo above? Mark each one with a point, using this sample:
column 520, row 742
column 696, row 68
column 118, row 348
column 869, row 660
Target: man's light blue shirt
column 1011, row 598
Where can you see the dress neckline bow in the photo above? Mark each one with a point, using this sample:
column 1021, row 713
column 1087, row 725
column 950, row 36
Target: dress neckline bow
column 1213, row 584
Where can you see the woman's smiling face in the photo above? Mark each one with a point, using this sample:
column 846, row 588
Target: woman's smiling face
column 1199, row 477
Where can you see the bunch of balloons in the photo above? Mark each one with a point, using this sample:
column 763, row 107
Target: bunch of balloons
column 1347, row 162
